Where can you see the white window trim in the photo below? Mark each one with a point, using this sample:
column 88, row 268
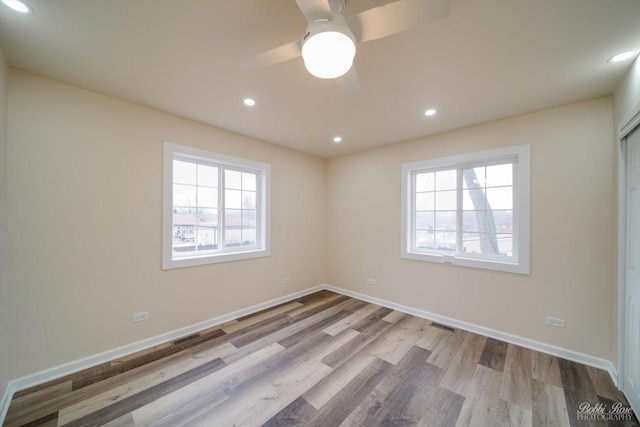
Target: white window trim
column 520, row 261
column 264, row 229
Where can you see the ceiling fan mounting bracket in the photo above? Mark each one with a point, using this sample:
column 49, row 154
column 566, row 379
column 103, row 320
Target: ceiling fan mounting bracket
column 324, row 25
column 337, row 6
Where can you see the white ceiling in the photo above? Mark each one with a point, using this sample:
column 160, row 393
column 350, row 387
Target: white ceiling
column 489, row 59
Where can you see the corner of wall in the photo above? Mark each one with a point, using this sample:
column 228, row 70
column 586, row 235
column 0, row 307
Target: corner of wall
column 4, row 370
column 325, row 238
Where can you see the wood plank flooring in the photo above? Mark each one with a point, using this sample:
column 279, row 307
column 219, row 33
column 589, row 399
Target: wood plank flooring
column 325, row 360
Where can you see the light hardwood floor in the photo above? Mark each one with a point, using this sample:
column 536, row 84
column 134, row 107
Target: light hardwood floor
column 324, row 360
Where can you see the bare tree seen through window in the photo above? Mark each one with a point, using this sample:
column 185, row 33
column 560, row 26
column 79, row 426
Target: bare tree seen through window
column 483, row 212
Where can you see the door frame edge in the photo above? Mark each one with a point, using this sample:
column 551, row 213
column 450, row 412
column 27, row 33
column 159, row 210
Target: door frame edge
column 625, row 127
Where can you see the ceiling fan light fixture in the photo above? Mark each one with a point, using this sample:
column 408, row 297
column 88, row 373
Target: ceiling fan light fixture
column 328, row 50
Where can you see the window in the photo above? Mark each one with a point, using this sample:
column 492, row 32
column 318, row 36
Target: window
column 470, row 210
column 216, row 207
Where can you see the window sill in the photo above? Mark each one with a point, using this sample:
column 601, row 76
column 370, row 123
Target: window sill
column 168, row 264
column 508, row 267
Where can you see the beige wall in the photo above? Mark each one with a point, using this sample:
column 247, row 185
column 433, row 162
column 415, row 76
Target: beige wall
column 84, row 207
column 572, row 224
column 4, row 344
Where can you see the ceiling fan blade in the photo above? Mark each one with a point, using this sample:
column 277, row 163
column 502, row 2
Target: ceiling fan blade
column 349, row 83
column 396, row 17
column 274, row 56
column 315, row 9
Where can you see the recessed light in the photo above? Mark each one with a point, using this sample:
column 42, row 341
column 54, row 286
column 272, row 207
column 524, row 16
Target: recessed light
column 337, row 139
column 622, row 56
column 18, row 6
column 430, row 112
column 249, row 102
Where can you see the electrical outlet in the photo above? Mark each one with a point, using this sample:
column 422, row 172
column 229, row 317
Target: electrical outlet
column 139, row 317
column 286, row 280
column 372, row 282
column 558, row 323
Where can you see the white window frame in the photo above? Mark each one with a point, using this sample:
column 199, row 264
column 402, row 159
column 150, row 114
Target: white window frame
column 263, row 229
column 519, row 262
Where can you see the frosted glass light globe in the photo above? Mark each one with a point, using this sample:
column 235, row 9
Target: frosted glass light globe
column 328, row 54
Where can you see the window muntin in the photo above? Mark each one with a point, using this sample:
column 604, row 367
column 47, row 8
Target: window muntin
column 217, row 205
column 468, row 210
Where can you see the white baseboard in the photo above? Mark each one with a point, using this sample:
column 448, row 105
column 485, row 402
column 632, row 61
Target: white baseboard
column 87, row 362
column 553, row 350
column 6, row 400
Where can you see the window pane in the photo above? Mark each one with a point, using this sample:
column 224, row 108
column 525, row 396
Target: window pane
column 488, row 244
column 425, row 220
column 249, row 181
column 471, row 243
column 446, row 180
column 183, row 210
column 248, row 200
column 425, row 182
column 505, row 243
column 232, row 217
column 478, row 221
column 470, row 222
column 248, row 236
column 232, row 179
column 476, row 176
column 207, row 218
column 425, row 239
column 183, row 224
column 446, row 221
column 206, row 238
column 233, row 237
column 184, row 172
column 183, row 236
column 445, row 241
column 248, row 218
column 207, row 197
column 446, row 200
column 499, row 175
column 481, row 243
column 207, row 176
column 425, row 201
column 184, row 195
column 474, row 200
column 503, row 221
column 233, row 199
column 500, row 198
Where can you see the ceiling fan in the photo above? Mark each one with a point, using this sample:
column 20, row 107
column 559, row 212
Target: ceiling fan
column 329, row 44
